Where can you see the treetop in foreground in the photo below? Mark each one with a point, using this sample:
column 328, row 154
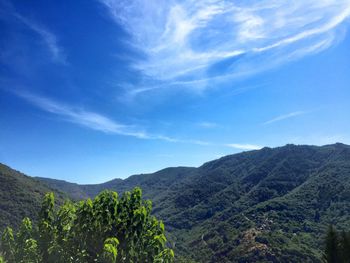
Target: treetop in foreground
column 107, row 229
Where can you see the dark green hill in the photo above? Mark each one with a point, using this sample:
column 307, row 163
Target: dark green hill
column 270, row 205
column 20, row 196
column 74, row 191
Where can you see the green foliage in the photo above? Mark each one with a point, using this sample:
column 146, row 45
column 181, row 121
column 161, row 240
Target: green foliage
column 337, row 246
column 110, row 250
column 257, row 206
column 20, row 196
column 26, row 248
column 107, row 229
column 285, row 196
column 21, row 248
column 345, row 246
column 8, row 245
column 332, row 252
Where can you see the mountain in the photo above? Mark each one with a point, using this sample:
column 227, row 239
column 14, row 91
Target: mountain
column 20, row 196
column 151, row 184
column 268, row 205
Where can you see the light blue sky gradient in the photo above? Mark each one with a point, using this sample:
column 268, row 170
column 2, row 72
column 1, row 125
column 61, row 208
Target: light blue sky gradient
column 94, row 90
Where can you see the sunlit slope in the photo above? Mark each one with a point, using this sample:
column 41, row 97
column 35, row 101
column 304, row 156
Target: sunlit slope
column 270, row 204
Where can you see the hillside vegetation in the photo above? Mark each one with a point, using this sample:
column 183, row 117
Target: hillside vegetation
column 20, row 196
column 270, row 205
column 267, row 205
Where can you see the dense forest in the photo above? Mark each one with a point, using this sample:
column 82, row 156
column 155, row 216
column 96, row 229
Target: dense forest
column 269, row 205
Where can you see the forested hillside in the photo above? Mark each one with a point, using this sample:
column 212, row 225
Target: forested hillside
column 268, row 204
column 274, row 204
column 20, row 196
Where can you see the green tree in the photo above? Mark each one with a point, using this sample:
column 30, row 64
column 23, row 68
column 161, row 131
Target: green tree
column 46, row 229
column 107, row 229
column 344, row 246
column 26, row 247
column 332, row 249
column 8, row 245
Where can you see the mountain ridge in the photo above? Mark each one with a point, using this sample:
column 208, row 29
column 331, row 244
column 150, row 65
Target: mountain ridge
column 118, row 180
column 21, row 196
column 267, row 205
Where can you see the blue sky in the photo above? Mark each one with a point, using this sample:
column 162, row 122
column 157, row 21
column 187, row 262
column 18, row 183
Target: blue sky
column 94, row 90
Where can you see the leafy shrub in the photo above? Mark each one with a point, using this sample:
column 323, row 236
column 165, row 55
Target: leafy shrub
column 107, row 229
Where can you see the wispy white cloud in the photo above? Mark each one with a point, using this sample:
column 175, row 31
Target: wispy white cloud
column 189, row 43
column 82, row 117
column 244, row 146
column 48, row 38
column 285, row 116
column 98, row 122
column 207, row 124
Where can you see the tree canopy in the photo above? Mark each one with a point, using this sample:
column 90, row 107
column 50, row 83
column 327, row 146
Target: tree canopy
column 106, row 229
column 337, row 246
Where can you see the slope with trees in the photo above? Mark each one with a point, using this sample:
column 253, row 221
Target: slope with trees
column 270, row 204
column 20, row 196
column 274, row 204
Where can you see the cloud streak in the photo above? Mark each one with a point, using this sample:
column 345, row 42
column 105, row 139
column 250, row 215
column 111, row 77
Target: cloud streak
column 98, row 122
column 284, row 117
column 82, row 117
column 247, row 147
column 9, row 13
column 48, row 38
column 207, row 124
column 189, row 43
